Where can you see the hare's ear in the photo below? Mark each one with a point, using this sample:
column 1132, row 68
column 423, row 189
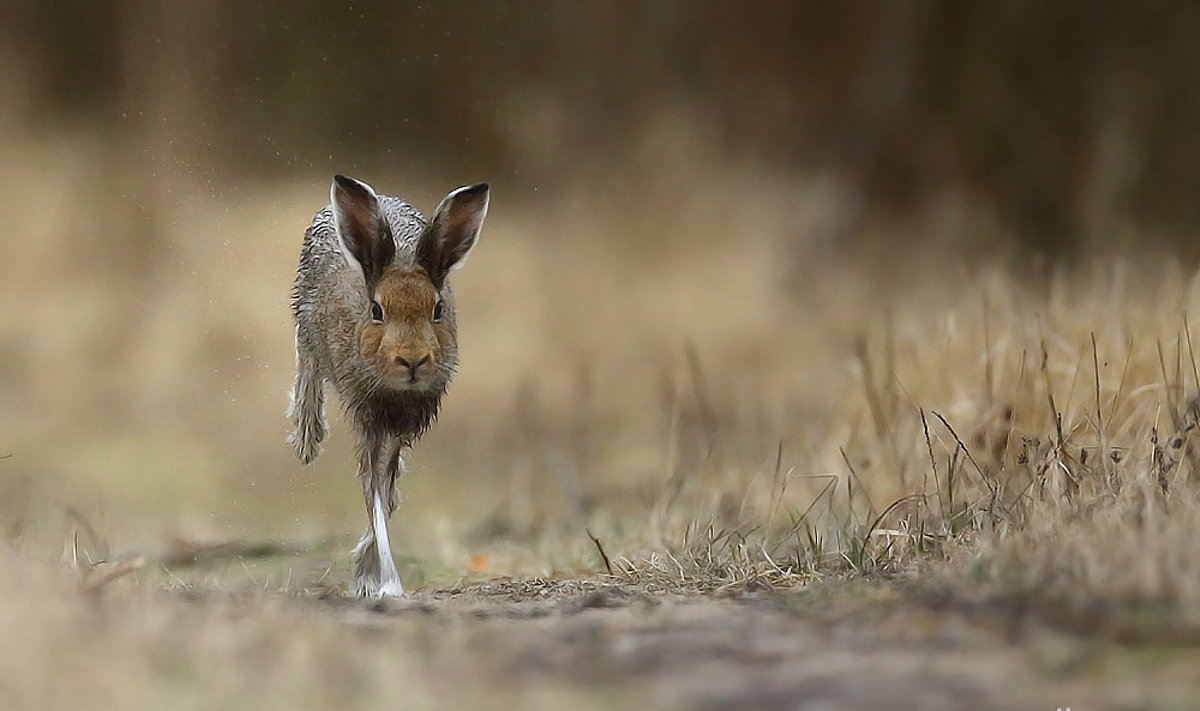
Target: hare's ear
column 362, row 232
column 453, row 232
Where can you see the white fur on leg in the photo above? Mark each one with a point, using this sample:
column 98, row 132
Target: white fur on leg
column 389, row 579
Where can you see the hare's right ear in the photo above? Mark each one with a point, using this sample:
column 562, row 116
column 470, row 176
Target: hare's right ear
column 453, row 232
column 362, row 232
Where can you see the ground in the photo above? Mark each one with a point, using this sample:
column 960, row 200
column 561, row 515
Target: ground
column 140, row 637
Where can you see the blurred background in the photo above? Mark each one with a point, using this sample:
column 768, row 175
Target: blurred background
column 698, row 211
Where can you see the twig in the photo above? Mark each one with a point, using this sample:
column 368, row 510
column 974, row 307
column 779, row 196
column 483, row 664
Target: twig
column 892, row 507
column 1167, row 387
column 854, row 476
column 95, row 542
column 119, row 571
column 600, row 548
column 1104, row 470
column 933, row 465
column 983, row 477
column 778, row 487
column 1116, row 399
column 182, row 553
column 1187, row 332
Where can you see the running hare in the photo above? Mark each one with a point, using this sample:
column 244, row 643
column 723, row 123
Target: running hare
column 375, row 317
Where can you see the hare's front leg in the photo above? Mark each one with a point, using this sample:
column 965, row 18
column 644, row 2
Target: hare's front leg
column 375, row 572
column 307, row 408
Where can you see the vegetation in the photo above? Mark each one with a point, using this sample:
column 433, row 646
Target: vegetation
column 621, row 433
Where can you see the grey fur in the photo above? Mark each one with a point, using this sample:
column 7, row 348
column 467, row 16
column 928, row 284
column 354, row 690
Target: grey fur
column 331, row 305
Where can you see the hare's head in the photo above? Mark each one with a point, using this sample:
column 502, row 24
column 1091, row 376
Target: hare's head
column 408, row 332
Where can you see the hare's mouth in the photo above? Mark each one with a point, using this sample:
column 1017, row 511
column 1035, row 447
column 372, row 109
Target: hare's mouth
column 404, row 380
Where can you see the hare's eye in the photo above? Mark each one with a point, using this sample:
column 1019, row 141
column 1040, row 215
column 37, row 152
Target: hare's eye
column 376, row 312
column 437, row 311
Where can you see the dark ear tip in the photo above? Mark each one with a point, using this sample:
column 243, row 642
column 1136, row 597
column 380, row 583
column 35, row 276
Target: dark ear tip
column 352, row 186
column 477, row 189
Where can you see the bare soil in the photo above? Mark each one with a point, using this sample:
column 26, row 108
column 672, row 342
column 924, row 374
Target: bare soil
column 836, row 646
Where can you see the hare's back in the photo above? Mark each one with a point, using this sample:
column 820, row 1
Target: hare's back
column 406, row 223
column 321, row 240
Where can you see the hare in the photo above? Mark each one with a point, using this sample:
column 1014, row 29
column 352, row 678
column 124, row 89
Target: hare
column 375, row 317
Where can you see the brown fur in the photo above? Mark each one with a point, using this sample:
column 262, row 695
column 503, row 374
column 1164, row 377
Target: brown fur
column 408, row 335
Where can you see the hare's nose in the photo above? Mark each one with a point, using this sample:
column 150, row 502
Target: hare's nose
column 413, row 367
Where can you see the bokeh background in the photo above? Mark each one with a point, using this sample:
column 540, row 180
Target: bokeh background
column 699, row 211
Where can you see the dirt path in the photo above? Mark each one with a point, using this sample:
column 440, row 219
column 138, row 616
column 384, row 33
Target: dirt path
column 244, row 636
column 608, row 647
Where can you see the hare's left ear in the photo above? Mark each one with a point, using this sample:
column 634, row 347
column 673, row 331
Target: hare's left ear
column 362, row 232
column 453, row 232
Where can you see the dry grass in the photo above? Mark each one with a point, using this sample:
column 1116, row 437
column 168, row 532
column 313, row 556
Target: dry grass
column 1023, row 442
column 674, row 400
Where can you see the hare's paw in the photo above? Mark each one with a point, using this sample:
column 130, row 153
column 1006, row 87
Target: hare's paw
column 372, row 589
column 306, row 440
column 306, row 409
column 364, row 562
column 364, row 587
column 369, row 586
column 390, row 589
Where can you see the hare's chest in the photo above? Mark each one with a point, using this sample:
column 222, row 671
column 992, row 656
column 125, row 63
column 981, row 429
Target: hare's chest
column 403, row 415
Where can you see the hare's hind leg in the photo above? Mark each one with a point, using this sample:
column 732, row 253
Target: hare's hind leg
column 307, row 408
column 375, row 571
column 364, row 562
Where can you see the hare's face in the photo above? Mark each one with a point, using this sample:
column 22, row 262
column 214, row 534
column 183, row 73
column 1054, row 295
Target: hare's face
column 409, row 335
